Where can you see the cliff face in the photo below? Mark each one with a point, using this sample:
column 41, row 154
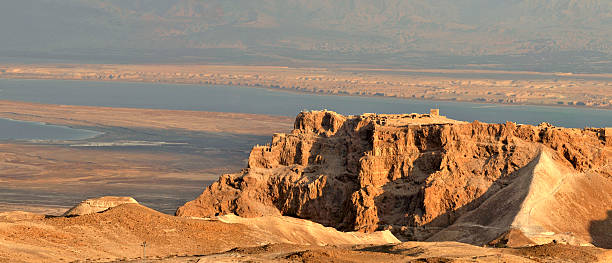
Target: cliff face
column 413, row 174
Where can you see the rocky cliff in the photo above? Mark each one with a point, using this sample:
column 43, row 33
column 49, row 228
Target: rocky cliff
column 416, row 175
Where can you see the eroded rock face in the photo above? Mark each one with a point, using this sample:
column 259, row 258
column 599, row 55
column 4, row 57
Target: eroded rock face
column 413, row 174
column 100, row 204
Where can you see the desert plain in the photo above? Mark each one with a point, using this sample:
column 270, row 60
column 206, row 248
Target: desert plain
column 485, row 86
column 64, row 172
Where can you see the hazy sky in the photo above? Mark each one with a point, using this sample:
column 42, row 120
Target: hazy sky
column 546, row 35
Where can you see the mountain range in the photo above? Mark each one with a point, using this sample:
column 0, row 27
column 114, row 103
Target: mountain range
column 539, row 35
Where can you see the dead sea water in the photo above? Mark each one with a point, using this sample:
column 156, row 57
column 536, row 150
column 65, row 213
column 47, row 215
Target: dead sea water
column 265, row 101
column 23, row 130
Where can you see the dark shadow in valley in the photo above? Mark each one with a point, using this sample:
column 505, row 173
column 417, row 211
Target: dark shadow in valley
column 601, row 231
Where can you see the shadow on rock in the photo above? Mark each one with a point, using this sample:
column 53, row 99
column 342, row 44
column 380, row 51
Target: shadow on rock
column 601, row 232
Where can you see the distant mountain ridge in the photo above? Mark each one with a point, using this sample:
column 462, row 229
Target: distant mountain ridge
column 519, row 33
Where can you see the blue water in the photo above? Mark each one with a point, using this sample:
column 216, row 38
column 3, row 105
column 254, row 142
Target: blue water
column 21, row 130
column 263, row 101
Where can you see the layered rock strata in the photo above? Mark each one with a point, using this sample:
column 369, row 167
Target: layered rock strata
column 100, row 204
column 413, row 174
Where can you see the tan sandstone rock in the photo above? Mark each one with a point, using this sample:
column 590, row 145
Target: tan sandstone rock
column 97, row 205
column 414, row 174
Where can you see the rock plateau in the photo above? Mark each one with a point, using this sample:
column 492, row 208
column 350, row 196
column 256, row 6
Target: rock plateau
column 427, row 177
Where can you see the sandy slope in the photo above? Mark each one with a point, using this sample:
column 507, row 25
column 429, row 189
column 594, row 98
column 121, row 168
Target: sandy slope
column 116, row 235
column 548, row 201
column 119, row 232
column 282, row 229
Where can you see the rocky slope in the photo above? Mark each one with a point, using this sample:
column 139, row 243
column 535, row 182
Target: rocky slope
column 416, row 175
column 116, row 235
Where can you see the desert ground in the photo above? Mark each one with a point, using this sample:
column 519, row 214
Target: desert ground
column 197, row 121
column 486, row 86
column 117, row 235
